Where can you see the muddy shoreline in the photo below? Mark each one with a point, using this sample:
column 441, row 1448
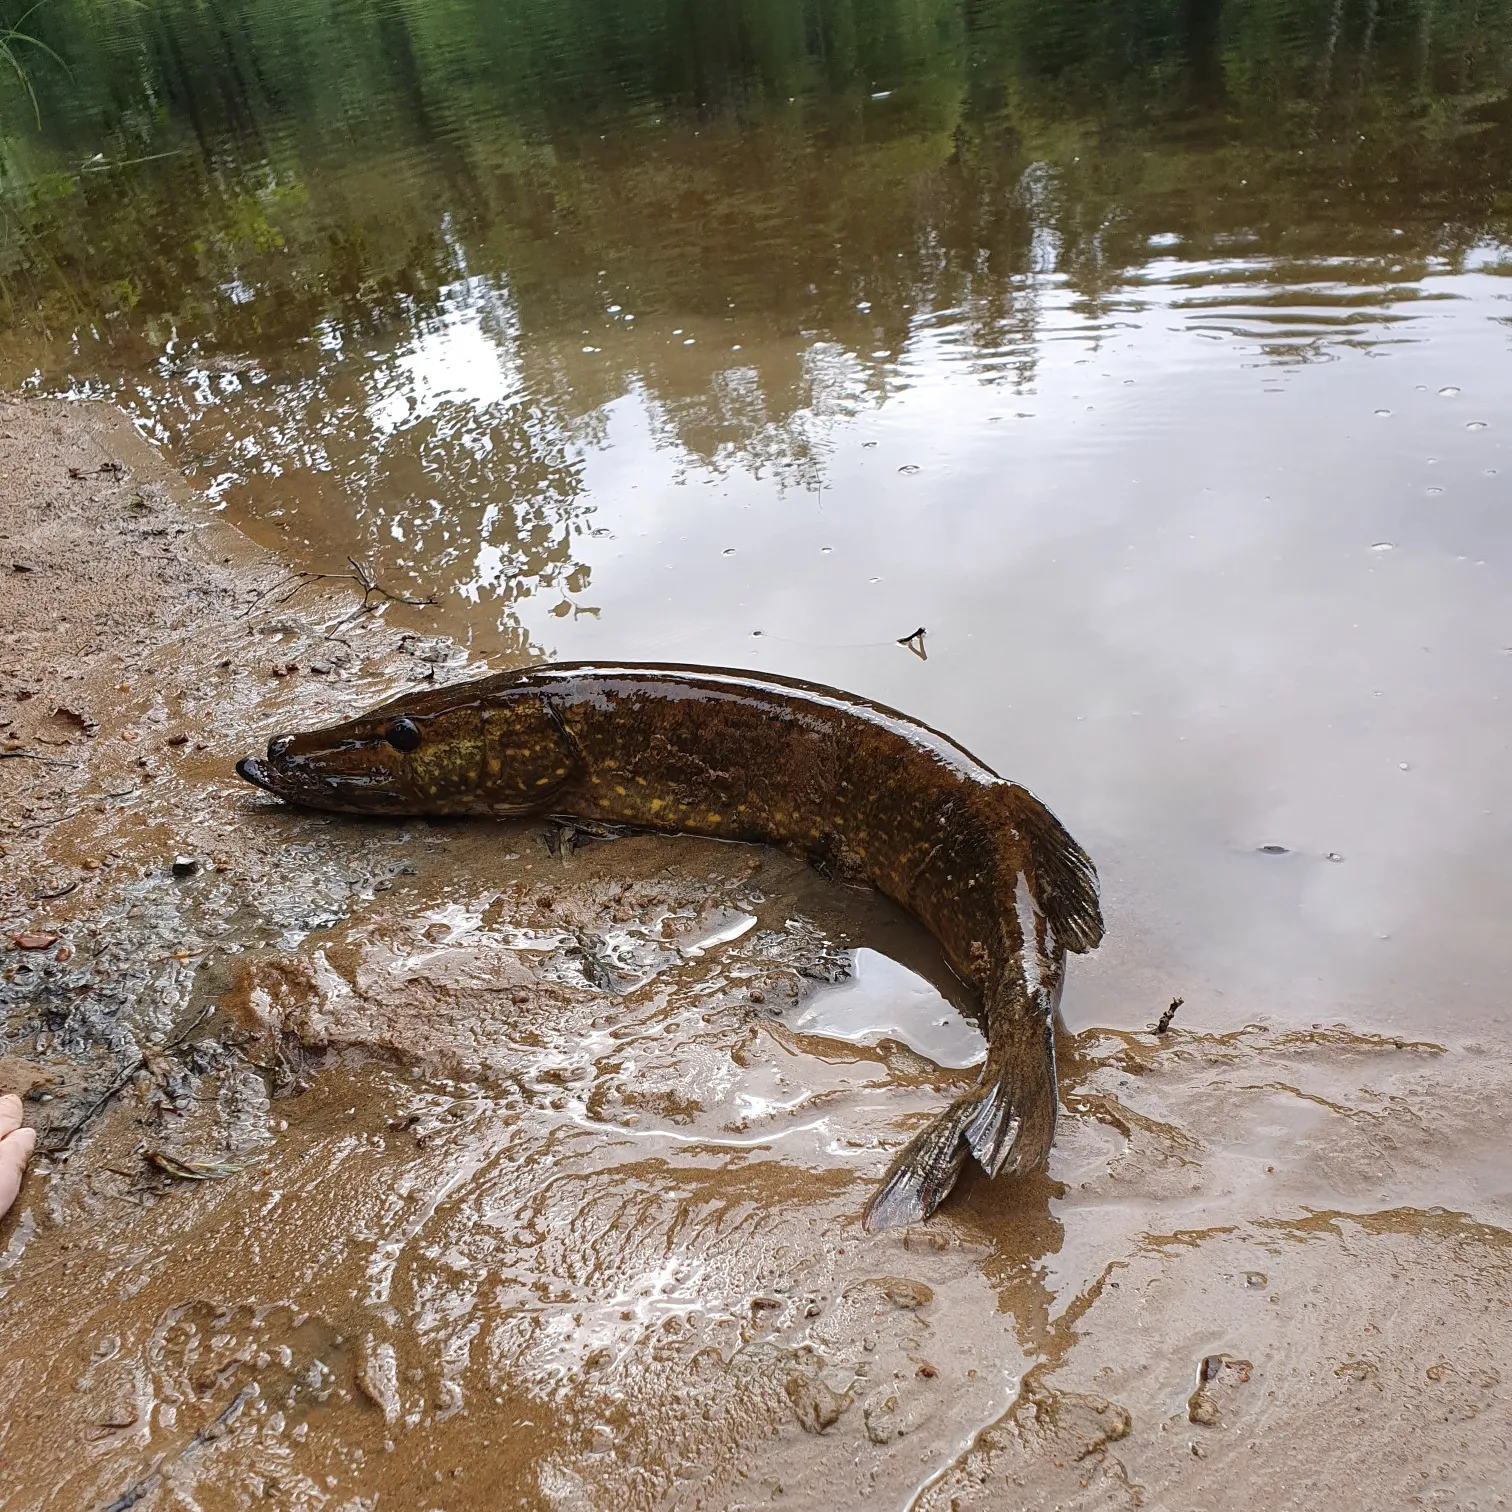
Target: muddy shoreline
column 437, row 1169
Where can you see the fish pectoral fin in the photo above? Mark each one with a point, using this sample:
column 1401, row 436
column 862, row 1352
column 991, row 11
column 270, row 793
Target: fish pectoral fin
column 835, row 861
column 566, row 832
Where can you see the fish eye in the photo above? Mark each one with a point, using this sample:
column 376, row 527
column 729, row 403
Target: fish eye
column 403, row 735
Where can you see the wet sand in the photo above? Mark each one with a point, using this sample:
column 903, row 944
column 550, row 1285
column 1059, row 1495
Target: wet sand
column 446, row 1171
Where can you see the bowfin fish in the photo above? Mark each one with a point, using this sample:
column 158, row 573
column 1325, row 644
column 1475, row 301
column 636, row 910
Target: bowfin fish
column 847, row 784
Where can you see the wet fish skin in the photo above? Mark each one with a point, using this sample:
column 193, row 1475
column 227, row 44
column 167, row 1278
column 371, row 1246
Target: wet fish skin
column 857, row 788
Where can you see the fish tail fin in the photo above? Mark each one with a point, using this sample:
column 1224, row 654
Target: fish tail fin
column 1014, row 1125
column 1007, row 1121
column 924, row 1170
column 1064, row 879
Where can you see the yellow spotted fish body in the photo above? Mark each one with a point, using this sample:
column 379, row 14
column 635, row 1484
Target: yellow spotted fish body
column 859, row 789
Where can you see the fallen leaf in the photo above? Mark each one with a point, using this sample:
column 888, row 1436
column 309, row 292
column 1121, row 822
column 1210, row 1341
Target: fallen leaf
column 34, row 939
column 192, row 1170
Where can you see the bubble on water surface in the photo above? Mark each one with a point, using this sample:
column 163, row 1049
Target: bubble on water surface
column 1449, row 391
column 909, row 467
column 728, row 551
column 1475, row 425
column 1383, row 413
column 1434, row 492
column 1383, row 546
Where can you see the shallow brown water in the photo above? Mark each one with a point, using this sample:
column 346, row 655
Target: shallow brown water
column 1165, row 387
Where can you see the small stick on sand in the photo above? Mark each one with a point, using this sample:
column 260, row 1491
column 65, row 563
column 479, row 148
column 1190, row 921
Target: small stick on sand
column 1164, row 1021
column 32, row 756
column 120, row 1082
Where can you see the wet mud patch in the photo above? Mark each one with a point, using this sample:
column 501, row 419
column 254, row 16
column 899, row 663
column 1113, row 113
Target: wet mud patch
column 547, row 1292
column 1196, row 1370
column 650, row 989
column 482, row 1268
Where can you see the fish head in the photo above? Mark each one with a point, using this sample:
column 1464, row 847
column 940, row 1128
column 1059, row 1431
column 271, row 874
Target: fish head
column 467, row 749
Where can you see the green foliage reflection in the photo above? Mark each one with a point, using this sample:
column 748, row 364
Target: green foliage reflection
column 301, row 189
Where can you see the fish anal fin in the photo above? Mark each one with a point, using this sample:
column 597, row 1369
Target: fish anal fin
column 1063, row 880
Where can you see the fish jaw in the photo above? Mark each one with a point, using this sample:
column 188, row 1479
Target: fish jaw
column 286, row 774
column 250, row 769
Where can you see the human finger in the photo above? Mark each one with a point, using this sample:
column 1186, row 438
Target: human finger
column 10, row 1113
column 15, row 1150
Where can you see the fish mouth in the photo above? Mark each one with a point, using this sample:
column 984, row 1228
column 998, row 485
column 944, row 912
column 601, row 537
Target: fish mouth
column 304, row 784
column 252, row 770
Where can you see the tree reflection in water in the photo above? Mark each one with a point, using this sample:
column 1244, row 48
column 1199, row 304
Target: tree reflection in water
column 383, row 276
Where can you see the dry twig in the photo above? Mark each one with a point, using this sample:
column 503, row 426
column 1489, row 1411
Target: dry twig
column 374, row 594
column 33, row 756
column 122, row 1081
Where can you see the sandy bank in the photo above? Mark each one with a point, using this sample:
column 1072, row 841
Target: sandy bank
column 447, row 1171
